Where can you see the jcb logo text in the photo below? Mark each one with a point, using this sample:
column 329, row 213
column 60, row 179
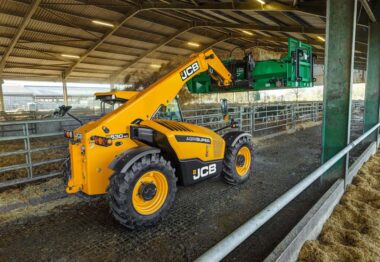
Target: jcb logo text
column 204, row 171
column 189, row 71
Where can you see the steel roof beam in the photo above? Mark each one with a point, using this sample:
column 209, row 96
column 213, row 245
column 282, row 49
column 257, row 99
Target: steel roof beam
column 318, row 10
column 251, row 5
column 217, row 41
column 368, row 10
column 359, row 46
column 88, row 30
column 150, row 6
column 211, row 45
column 130, row 14
column 20, row 30
column 274, row 6
column 219, row 6
column 178, row 14
column 206, row 24
column 221, row 25
column 75, row 39
column 296, row 19
column 286, row 29
column 150, row 51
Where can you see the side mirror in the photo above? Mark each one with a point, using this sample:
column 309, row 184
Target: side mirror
column 62, row 110
column 224, row 108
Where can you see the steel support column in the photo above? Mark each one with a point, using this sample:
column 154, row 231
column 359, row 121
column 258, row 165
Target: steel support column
column 2, row 105
column 112, row 84
column 339, row 57
column 64, row 86
column 372, row 90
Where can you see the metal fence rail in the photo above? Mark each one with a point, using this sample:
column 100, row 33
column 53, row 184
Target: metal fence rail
column 229, row 243
column 259, row 117
column 23, row 132
column 251, row 118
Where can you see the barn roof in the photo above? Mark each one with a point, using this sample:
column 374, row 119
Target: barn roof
column 114, row 40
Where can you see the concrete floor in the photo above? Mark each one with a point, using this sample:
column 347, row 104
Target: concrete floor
column 202, row 215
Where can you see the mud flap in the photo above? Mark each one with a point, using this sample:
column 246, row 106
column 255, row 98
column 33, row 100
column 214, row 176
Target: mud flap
column 125, row 160
column 232, row 137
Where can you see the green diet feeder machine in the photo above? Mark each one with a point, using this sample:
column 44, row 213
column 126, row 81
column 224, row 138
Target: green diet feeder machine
column 295, row 70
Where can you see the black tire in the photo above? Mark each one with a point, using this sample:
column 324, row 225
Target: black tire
column 230, row 174
column 121, row 187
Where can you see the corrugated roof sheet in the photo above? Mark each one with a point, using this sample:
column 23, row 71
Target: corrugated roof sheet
column 66, row 27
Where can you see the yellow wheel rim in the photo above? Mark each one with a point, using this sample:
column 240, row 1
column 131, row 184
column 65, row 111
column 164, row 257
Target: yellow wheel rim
column 153, row 179
column 243, row 167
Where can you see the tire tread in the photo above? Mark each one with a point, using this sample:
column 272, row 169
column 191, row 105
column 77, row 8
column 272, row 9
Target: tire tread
column 121, row 185
column 230, row 175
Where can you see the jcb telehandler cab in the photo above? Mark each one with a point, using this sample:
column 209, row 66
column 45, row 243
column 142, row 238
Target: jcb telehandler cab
column 136, row 156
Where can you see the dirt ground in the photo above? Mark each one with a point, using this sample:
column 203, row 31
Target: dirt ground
column 352, row 233
column 71, row 229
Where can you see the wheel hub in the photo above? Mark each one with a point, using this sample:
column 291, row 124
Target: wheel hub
column 147, row 191
column 243, row 161
column 240, row 160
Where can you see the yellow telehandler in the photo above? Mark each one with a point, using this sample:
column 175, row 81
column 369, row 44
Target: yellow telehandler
column 136, row 153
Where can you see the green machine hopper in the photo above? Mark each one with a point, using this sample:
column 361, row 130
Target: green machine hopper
column 295, row 70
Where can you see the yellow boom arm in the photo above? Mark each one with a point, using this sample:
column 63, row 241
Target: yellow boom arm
column 146, row 103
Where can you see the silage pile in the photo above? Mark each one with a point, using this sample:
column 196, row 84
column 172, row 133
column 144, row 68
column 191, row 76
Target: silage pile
column 352, row 233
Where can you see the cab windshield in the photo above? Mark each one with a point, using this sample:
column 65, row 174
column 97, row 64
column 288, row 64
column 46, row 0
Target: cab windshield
column 170, row 112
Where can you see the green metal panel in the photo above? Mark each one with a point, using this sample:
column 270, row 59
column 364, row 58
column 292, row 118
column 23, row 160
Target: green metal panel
column 265, row 75
column 202, row 84
column 340, row 33
column 240, row 72
column 265, row 71
column 372, row 91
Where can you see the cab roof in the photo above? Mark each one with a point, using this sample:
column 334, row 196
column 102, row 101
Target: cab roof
column 116, row 95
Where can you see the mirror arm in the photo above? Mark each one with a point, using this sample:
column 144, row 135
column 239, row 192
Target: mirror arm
column 222, row 128
column 75, row 118
column 232, row 124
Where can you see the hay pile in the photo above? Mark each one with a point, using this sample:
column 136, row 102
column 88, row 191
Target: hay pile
column 28, row 212
column 352, row 233
column 24, row 194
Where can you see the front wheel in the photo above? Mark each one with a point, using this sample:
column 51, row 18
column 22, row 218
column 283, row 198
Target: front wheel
column 238, row 161
column 142, row 195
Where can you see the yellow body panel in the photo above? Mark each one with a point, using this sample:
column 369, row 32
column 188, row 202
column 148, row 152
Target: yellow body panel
column 90, row 172
column 89, row 162
column 189, row 150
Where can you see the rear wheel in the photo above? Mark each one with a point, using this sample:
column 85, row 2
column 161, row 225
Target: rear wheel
column 142, row 195
column 238, row 161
